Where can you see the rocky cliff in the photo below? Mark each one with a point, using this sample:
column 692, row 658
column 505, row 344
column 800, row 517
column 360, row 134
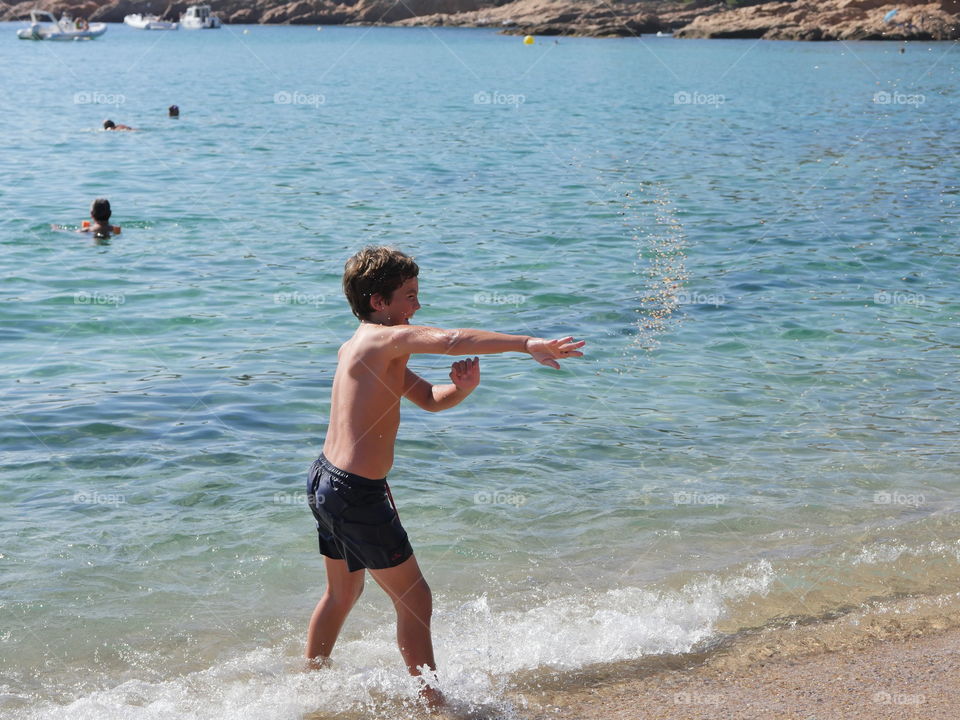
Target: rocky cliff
column 794, row 20
column 833, row 20
column 570, row 17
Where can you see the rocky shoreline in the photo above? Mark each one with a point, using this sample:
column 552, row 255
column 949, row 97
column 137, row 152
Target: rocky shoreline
column 792, row 20
column 833, row 20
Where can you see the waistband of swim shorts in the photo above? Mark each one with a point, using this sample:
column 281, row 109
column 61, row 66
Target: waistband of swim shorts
column 348, row 476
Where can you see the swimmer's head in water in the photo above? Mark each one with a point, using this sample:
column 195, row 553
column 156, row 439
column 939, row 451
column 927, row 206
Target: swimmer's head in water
column 109, row 124
column 100, row 210
column 174, row 111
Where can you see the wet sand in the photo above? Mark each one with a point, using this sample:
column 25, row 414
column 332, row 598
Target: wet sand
column 904, row 678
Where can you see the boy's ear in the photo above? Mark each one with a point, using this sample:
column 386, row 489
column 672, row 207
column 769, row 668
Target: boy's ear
column 377, row 302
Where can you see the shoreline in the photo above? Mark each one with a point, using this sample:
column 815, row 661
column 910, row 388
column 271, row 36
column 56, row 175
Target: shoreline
column 889, row 659
column 884, row 678
column 805, row 20
column 549, row 35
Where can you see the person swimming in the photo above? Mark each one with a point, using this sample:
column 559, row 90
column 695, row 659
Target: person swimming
column 173, row 111
column 111, row 125
column 100, row 214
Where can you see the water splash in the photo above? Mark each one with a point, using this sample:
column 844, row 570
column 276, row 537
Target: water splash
column 660, row 261
column 480, row 648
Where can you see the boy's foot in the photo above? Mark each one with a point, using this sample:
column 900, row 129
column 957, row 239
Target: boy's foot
column 318, row 663
column 433, row 698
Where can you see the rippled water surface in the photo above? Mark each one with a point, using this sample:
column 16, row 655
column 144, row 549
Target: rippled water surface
column 758, row 241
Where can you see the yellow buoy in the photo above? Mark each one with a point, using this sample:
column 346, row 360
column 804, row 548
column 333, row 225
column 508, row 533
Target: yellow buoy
column 528, row 40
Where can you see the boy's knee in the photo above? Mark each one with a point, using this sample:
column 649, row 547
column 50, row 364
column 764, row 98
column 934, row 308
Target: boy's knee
column 418, row 598
column 345, row 599
column 421, row 589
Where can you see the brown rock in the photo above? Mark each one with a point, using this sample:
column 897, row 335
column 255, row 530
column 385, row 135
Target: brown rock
column 243, row 16
column 280, row 14
column 832, row 20
column 390, row 11
column 560, row 17
column 117, row 10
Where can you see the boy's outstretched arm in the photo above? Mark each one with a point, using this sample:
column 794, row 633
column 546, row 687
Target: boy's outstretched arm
column 417, row 339
column 465, row 375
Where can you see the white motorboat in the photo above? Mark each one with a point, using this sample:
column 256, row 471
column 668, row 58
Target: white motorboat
column 43, row 26
column 148, row 22
column 199, row 17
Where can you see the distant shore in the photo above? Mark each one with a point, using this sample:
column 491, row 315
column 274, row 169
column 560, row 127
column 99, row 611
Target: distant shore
column 798, row 20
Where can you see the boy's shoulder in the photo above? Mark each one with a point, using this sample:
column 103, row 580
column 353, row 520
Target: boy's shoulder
column 390, row 342
column 373, row 335
column 371, row 340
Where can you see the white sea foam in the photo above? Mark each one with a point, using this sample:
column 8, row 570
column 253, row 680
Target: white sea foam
column 883, row 552
column 478, row 649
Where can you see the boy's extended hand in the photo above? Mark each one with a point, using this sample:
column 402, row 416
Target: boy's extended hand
column 465, row 374
column 547, row 352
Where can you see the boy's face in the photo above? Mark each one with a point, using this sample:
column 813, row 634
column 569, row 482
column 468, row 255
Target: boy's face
column 403, row 304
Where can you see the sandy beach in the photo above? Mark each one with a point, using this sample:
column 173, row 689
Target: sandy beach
column 912, row 678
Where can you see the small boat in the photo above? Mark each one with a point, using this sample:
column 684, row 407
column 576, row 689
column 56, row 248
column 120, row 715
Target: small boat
column 43, row 26
column 148, row 22
column 199, row 17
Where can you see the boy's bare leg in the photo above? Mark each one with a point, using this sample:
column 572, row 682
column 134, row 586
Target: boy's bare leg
column 414, row 605
column 343, row 589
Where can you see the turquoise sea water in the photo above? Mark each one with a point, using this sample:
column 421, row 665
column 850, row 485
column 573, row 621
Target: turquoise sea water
column 757, row 240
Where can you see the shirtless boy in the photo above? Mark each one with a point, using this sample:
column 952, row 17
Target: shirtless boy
column 357, row 523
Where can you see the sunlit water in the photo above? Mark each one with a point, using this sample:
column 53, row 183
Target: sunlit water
column 758, row 241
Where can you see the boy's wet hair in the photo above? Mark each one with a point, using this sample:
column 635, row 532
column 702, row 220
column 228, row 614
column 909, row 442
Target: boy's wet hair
column 109, row 124
column 100, row 210
column 375, row 270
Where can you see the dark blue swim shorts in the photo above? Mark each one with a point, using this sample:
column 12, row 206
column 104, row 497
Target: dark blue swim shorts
column 356, row 519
